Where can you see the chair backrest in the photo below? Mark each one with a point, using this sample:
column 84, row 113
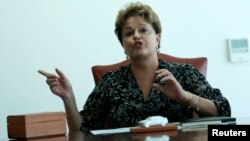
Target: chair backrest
column 199, row 63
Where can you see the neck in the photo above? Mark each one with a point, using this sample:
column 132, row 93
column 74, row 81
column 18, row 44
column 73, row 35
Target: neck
column 145, row 65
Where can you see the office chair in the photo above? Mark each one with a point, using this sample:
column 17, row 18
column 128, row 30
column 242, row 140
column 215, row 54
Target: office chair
column 199, row 63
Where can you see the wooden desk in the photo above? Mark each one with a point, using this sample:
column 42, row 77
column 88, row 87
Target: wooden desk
column 180, row 135
column 196, row 134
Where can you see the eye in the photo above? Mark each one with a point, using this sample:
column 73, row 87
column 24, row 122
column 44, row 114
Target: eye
column 144, row 30
column 128, row 33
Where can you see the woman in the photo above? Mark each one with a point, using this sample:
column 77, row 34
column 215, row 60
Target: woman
column 128, row 95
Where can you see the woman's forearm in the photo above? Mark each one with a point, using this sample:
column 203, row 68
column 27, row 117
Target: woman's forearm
column 202, row 105
column 74, row 119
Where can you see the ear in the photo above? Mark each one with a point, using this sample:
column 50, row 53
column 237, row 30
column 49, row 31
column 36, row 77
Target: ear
column 122, row 44
column 158, row 38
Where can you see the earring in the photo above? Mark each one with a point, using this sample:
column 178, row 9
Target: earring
column 126, row 54
column 158, row 49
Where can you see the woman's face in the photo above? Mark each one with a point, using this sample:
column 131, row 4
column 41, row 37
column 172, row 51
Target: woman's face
column 139, row 38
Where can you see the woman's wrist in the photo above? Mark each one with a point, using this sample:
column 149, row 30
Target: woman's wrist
column 192, row 101
column 69, row 98
column 188, row 99
column 185, row 99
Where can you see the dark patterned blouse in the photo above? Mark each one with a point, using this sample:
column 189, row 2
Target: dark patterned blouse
column 118, row 100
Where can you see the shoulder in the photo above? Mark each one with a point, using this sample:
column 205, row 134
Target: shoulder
column 180, row 69
column 175, row 66
column 118, row 73
column 121, row 70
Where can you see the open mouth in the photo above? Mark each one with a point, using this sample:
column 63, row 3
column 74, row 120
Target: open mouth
column 137, row 44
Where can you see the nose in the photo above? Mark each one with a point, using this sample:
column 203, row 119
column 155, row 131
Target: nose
column 137, row 35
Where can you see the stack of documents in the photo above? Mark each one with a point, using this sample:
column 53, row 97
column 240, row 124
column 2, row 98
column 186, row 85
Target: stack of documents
column 111, row 131
column 138, row 129
column 191, row 123
column 205, row 121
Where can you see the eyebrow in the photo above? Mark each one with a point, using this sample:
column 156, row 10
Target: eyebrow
column 128, row 27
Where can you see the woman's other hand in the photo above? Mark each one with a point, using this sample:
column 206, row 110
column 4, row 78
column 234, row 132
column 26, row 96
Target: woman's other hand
column 170, row 86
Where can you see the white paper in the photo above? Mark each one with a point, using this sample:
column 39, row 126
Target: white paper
column 111, row 131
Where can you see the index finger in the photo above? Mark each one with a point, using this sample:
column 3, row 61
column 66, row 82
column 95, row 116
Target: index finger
column 161, row 70
column 44, row 73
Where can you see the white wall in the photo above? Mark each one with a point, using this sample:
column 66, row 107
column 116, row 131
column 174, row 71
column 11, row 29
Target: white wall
column 75, row 35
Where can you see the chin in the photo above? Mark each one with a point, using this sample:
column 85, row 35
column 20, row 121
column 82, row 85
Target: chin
column 139, row 56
